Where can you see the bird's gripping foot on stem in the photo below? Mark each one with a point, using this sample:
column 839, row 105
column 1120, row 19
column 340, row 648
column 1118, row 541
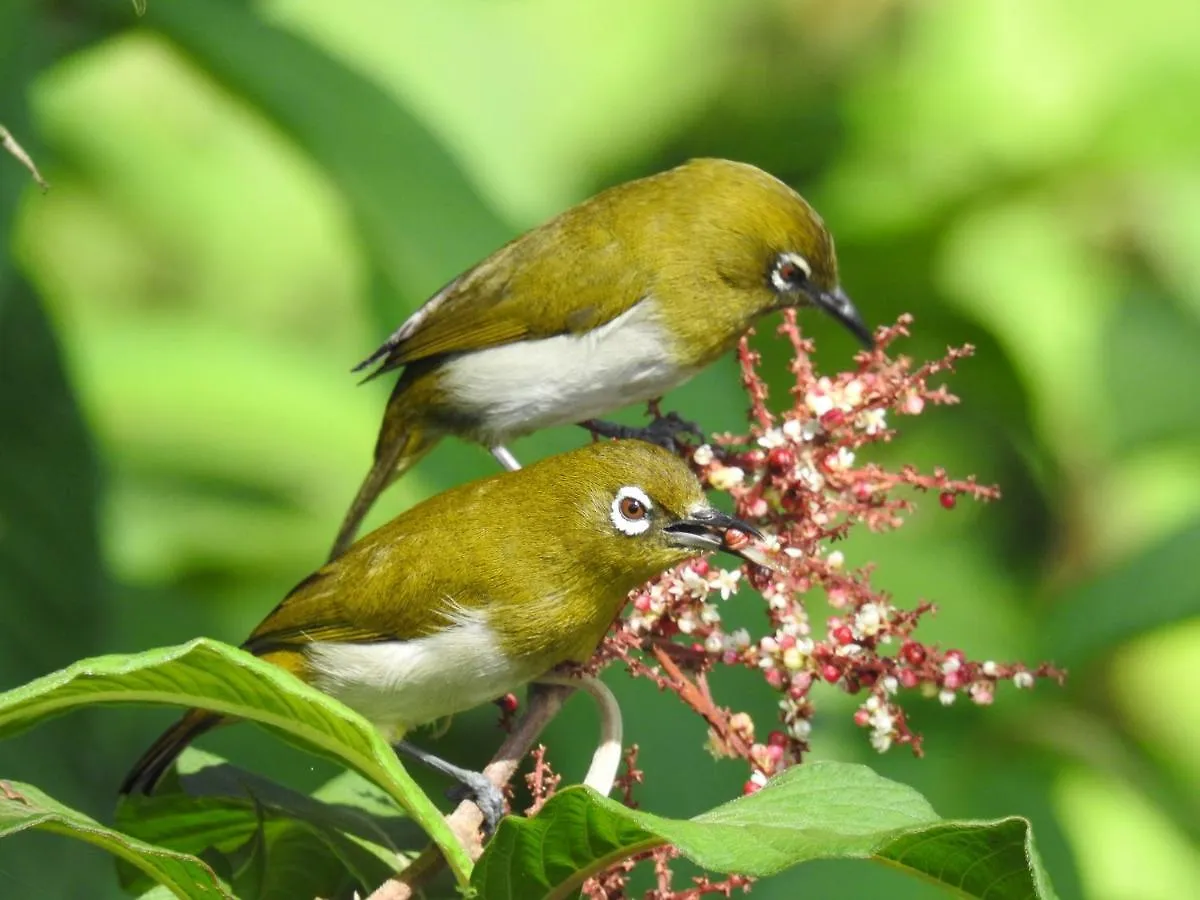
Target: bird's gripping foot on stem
column 472, row 785
column 664, row 430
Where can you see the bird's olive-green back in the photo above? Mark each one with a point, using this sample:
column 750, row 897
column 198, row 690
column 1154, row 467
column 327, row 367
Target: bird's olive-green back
column 699, row 238
column 533, row 551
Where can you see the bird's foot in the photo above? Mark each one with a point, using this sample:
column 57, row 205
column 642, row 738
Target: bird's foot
column 664, row 430
column 476, row 787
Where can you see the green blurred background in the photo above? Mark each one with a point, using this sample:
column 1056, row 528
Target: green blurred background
column 248, row 196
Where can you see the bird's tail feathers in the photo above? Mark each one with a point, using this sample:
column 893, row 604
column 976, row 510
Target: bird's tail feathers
column 400, row 447
column 153, row 764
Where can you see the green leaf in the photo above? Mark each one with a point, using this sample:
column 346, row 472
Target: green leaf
column 422, row 221
column 1151, row 366
column 23, row 806
column 821, row 810
column 214, row 676
column 222, row 808
column 1114, row 608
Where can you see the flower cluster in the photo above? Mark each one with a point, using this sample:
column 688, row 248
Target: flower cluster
column 799, row 477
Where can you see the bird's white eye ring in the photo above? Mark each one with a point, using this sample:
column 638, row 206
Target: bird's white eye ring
column 630, row 511
column 790, row 271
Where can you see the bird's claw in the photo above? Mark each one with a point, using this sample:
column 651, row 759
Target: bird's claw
column 663, row 431
column 477, row 788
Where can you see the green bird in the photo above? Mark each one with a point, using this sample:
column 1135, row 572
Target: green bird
column 613, row 302
column 478, row 591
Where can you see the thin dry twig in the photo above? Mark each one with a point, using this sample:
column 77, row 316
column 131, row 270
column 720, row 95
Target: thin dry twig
column 9, row 143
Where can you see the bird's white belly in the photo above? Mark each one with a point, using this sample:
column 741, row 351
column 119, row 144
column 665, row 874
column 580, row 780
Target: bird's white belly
column 518, row 388
column 398, row 685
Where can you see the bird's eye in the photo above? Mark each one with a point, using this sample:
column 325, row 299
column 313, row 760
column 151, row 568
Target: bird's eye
column 790, row 272
column 632, row 509
column 630, row 512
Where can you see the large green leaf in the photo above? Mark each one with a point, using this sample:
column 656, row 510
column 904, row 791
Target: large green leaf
column 421, row 219
column 211, row 675
column 220, row 808
column 822, row 810
column 1114, row 607
column 24, row 807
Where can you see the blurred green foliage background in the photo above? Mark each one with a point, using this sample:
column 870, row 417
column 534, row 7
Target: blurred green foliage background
column 248, row 196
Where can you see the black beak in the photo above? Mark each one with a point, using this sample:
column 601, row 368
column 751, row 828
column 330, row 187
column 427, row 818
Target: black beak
column 841, row 307
column 705, row 530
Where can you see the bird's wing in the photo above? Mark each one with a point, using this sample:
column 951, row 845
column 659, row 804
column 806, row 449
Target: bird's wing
column 369, row 596
column 311, row 612
column 501, row 301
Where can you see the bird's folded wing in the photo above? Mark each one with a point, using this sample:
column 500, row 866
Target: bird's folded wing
column 501, row 302
column 267, row 640
column 345, row 603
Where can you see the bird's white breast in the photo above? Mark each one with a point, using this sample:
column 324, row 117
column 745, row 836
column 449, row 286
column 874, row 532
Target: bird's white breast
column 518, row 388
column 398, row 685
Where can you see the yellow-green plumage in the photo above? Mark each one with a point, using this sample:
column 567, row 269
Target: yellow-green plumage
column 614, row 301
column 478, row 590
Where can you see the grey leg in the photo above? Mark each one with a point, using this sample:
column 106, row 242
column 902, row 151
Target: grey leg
column 486, row 795
column 505, row 458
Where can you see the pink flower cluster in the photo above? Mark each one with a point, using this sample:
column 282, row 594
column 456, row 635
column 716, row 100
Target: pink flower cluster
column 798, row 475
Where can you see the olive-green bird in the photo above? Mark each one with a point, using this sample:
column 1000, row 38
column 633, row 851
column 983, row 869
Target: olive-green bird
column 478, row 591
column 615, row 301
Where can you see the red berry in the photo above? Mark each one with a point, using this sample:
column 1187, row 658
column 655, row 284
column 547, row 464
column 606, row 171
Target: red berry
column 957, row 655
column 830, row 672
column 851, row 684
column 833, row 418
column 751, row 460
column 861, row 717
column 508, row 703
column 777, row 739
column 751, row 787
column 863, row 492
column 843, row 635
column 641, row 603
column 909, row 678
column 947, row 499
column 781, row 460
column 774, row 678
column 913, row 653
column 735, row 540
column 700, row 567
column 952, row 681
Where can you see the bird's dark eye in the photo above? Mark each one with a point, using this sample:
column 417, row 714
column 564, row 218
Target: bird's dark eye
column 632, row 509
column 790, row 272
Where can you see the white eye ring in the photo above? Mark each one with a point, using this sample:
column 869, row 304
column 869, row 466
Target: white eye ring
column 782, row 284
column 627, row 497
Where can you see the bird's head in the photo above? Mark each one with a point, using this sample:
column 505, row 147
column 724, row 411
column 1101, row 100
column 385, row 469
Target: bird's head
column 640, row 510
column 764, row 240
